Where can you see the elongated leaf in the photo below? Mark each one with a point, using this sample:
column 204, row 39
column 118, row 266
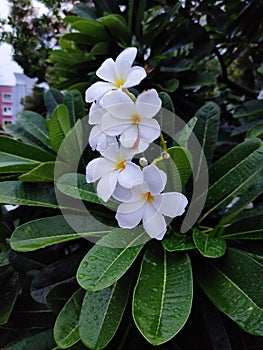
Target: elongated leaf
column 91, row 28
column 66, row 328
column 52, row 98
column 163, row 294
column 76, row 186
column 101, row 313
column 4, row 257
column 116, row 27
column 110, row 258
column 178, row 242
column 167, row 102
column 183, row 136
column 17, row 131
column 39, row 341
column 208, row 245
column 35, row 125
column 59, row 126
column 8, row 294
column 235, row 285
column 53, row 230
column 206, row 128
column 250, row 228
column 44, row 172
column 16, row 192
column 234, row 182
column 74, row 102
column 14, row 164
column 20, row 149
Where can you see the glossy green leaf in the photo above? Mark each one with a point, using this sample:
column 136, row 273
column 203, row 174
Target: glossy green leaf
column 163, row 295
column 35, row 125
column 183, row 136
column 116, row 27
column 82, row 10
column 101, row 313
column 53, row 98
column 76, row 186
column 249, row 108
column 66, row 328
column 15, row 164
column 39, row 341
column 8, row 294
column 74, row 102
column 235, row 181
column 16, row 192
column 250, row 228
column 18, row 132
column 43, row 172
column 91, row 28
column 16, row 148
column 59, row 126
column 110, row 258
column 167, row 102
column 206, row 128
column 234, row 284
column 44, row 232
column 209, row 245
column 178, row 242
column 169, row 85
column 256, row 131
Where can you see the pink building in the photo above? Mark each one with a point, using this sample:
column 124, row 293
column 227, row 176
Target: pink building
column 6, row 104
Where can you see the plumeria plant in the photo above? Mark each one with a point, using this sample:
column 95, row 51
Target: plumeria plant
column 123, row 224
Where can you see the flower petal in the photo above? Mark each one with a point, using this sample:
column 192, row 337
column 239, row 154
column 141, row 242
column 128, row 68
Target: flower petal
column 122, row 194
column 95, row 113
column 119, row 105
column 173, row 204
column 134, row 76
column 107, row 71
column 107, row 185
column 97, row 168
column 99, row 140
column 149, row 129
column 148, row 103
column 153, row 222
column 130, row 176
column 125, row 60
column 129, row 136
column 97, row 90
column 113, row 126
column 155, row 178
column 130, row 214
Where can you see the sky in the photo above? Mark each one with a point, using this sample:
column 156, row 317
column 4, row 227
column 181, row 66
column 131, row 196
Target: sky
column 7, row 65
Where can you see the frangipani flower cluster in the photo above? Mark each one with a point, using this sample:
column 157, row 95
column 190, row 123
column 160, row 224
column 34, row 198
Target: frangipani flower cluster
column 124, row 126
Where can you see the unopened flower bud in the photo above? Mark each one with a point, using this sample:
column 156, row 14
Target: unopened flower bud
column 143, row 162
column 165, row 155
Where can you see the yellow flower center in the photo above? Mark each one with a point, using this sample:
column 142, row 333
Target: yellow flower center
column 148, row 197
column 120, row 165
column 119, row 83
column 136, row 119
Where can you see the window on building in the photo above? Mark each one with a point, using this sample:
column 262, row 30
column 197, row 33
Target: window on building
column 7, row 111
column 7, row 122
column 7, row 97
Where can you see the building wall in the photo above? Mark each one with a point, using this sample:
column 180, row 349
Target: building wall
column 6, row 104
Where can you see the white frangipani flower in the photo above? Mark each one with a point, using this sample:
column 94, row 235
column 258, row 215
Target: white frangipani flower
column 98, row 139
column 115, row 167
column 148, row 204
column 118, row 74
column 133, row 121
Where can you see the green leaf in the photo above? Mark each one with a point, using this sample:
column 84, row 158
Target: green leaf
column 66, row 328
column 101, row 313
column 169, row 85
column 20, row 149
column 110, row 258
column 250, row 228
column 249, row 108
column 52, row 98
column 116, row 27
column 167, row 102
column 4, row 257
column 178, row 168
column 8, row 294
column 35, row 125
column 206, row 128
column 163, row 295
column 16, row 192
column 183, row 136
column 234, row 284
column 84, row 11
column 178, row 242
column 209, row 245
column 255, row 131
column 76, row 186
column 44, row 232
column 195, row 79
column 74, row 102
column 92, row 28
column 39, row 341
column 59, row 126
column 15, row 164
column 235, row 180
column 44, row 172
